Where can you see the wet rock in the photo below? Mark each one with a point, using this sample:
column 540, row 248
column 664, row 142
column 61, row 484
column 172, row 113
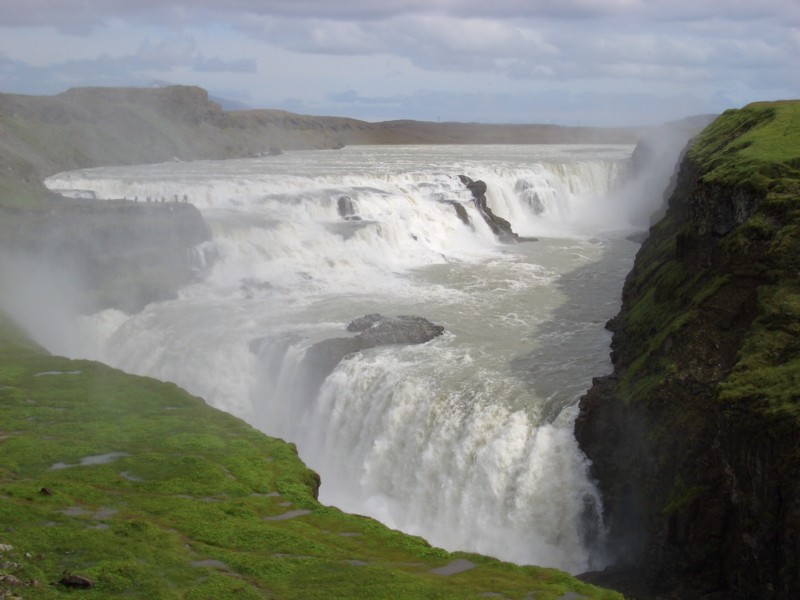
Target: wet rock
column 377, row 330
column 344, row 206
column 461, row 212
column 374, row 330
column 499, row 226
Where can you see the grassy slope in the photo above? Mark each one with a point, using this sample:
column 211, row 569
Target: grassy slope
column 192, row 484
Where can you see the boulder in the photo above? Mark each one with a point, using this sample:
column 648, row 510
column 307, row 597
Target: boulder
column 373, row 330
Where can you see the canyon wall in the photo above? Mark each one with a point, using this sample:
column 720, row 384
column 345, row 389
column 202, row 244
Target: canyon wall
column 694, row 436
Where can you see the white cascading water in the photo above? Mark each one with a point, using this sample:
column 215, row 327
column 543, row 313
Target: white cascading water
column 466, row 440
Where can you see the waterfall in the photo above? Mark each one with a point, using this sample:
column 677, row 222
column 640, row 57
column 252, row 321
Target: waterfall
column 465, row 440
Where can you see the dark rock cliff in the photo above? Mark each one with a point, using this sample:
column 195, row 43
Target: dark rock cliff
column 694, row 436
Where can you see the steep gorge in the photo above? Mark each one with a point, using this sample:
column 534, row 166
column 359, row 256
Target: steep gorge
column 694, row 435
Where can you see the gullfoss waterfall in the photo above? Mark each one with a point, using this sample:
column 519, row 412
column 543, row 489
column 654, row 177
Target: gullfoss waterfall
column 465, row 440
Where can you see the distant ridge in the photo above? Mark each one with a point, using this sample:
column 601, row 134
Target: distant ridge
column 101, row 126
column 228, row 104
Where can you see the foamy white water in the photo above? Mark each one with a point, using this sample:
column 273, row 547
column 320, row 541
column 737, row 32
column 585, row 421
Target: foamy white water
column 466, row 440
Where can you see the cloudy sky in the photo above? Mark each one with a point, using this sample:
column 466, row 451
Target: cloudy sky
column 588, row 62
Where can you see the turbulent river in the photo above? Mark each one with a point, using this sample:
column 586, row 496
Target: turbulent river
column 465, row 440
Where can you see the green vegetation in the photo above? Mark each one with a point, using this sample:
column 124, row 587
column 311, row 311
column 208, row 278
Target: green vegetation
column 755, row 146
column 704, row 259
column 767, row 373
column 150, row 493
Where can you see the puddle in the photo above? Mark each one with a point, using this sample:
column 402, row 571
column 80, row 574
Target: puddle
column 130, row 476
column 89, row 461
column 196, row 498
column 288, row 515
column 455, row 567
column 44, row 373
column 212, row 563
column 100, row 514
column 75, row 511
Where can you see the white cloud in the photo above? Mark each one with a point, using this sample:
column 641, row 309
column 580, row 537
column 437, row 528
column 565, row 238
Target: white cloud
column 312, row 50
column 176, row 50
column 335, row 37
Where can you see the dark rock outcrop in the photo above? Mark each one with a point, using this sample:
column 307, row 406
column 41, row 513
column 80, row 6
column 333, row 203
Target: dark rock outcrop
column 344, row 206
column 499, row 226
column 346, row 210
column 693, row 438
column 373, row 330
column 461, row 212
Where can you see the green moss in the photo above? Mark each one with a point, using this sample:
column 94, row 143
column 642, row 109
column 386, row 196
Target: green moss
column 751, row 147
column 755, row 149
column 767, row 373
column 182, row 506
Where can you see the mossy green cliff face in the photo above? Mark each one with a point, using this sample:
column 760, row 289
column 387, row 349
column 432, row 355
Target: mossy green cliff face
column 694, row 437
column 137, row 488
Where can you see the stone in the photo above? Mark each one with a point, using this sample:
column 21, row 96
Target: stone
column 344, row 206
column 374, row 330
column 11, row 581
